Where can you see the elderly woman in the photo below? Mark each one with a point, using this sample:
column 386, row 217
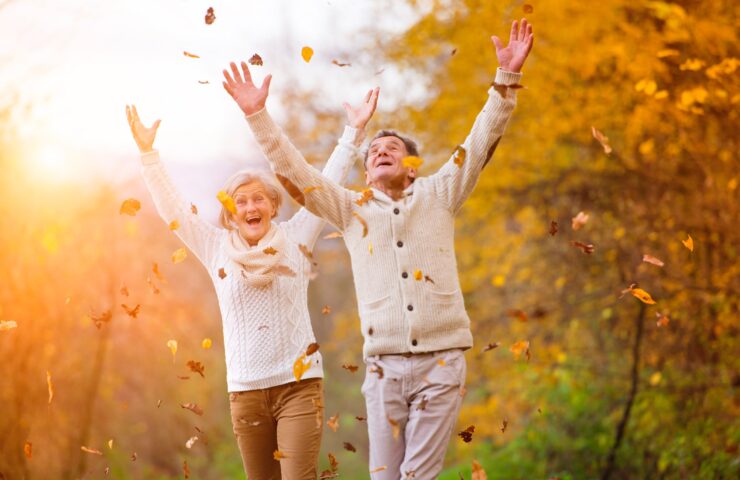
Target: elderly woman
column 261, row 272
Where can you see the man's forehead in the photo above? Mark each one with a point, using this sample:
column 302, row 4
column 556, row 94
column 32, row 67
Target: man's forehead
column 388, row 139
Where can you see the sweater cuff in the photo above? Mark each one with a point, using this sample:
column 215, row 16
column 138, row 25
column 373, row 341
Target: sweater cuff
column 260, row 122
column 150, row 158
column 504, row 77
column 352, row 137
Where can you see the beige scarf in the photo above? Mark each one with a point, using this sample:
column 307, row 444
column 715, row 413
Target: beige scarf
column 260, row 261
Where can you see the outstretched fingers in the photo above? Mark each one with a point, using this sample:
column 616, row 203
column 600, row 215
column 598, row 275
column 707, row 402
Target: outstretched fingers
column 266, row 84
column 235, row 72
column 514, row 31
column 522, row 30
column 247, row 75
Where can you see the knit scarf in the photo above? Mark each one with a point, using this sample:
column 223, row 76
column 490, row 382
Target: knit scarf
column 258, row 262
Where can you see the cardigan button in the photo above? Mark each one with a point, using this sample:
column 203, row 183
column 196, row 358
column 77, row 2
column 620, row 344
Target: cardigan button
column 405, row 275
column 399, row 244
column 414, row 342
column 396, row 211
column 370, row 331
column 410, row 308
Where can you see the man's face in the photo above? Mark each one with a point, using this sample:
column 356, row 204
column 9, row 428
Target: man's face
column 385, row 163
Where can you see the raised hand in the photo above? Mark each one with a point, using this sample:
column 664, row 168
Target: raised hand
column 512, row 56
column 143, row 136
column 244, row 92
column 358, row 117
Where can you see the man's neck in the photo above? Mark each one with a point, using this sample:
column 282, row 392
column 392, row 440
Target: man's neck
column 393, row 190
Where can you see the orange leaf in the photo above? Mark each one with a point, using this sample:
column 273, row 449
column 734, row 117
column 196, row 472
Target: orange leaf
column 7, row 325
column 277, row 455
column 210, row 17
column 130, row 207
column 689, row 243
column 312, row 348
column 326, row 310
column 333, row 422
column 642, row 295
column 131, row 312
column 179, row 255
column 49, row 385
column 221, row 273
column 519, row 347
column 459, row 156
column 269, row 251
column 174, row 225
column 307, row 53
column 367, row 195
column 91, row 450
column 196, row 367
column 206, row 343
column 28, row 450
column 191, row 55
column 478, row 472
column 299, row 368
column 351, row 368
column 255, row 60
column 331, row 235
column 193, row 407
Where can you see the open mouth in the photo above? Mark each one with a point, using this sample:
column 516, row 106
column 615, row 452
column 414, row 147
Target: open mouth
column 384, row 163
column 254, row 220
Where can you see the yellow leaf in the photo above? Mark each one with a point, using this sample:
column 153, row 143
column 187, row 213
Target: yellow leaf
column 94, row 451
column 689, row 243
column 49, row 385
column 331, row 235
column 370, row 247
column 459, row 156
column 661, row 95
column 363, row 222
column 174, row 225
column 191, row 55
column 668, row 52
column 299, row 368
column 172, row 345
column 655, row 378
column 498, row 280
column 308, row 190
column 441, row 362
column 206, row 343
column 519, row 347
column 412, row 162
column 307, row 53
column 418, row 275
column 642, row 295
column 647, row 147
column 110, row 444
column 692, row 64
column 130, row 207
column 179, row 255
column 367, row 195
column 226, row 201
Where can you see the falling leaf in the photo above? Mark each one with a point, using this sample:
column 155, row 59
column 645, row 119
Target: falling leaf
column 7, row 325
column 277, row 455
column 689, row 243
column 441, row 362
column 333, row 463
column 221, row 273
column 478, row 472
column 49, row 386
column 395, row 427
column 131, row 312
column 308, row 190
column 412, row 162
column 28, row 450
column 306, row 253
column 91, row 450
column 553, row 227
column 527, row 8
column 418, row 275
column 130, row 207
column 585, row 248
column 333, row 422
column 349, row 447
column 193, row 407
column 642, row 295
column 191, row 55
column 210, row 17
column 427, row 278
column 299, row 368
column 351, row 368
column 312, row 348
column 307, row 53
column 185, row 469
column 226, row 201
column 459, row 156
column 377, row 369
column 174, row 225
column 133, row 457
column 504, row 424
column 579, row 220
column 361, row 419
column 193, row 209
column 206, row 343
column 520, row 315
column 196, row 367
column 191, row 441
column 650, row 259
column 491, row 346
column 370, row 247
column 662, row 320
column 326, row 310
column 183, row 377
column 104, row 317
column 124, row 291
column 255, row 60
column 269, row 251
column 423, row 404
column 157, row 273
column 326, row 474
column 668, row 52
column 172, row 345
column 154, row 288
column 467, row 434
column 340, row 64
column 367, row 195
column 379, row 469
column 602, row 139
column 363, row 222
column 283, row 270
column 179, row 255
column 331, row 235
column 110, row 444
column 519, row 347
column 159, row 403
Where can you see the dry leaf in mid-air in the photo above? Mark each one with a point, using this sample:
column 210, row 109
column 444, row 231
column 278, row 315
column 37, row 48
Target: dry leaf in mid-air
column 306, row 54
column 191, row 55
column 312, row 348
column 519, row 347
column 650, row 259
column 193, row 407
column 206, row 343
column 326, row 310
column 602, row 139
column 227, row 201
column 340, row 64
column 197, row 367
column 129, row 207
column 688, row 243
column 351, row 368
column 299, row 368
column 502, row 88
column 504, row 424
column 131, row 312
column 553, row 227
column 579, row 220
column 174, row 225
column 7, row 325
column 255, row 60
column 367, row 195
column 312, row 188
column 527, row 8
column 333, row 422
column 221, row 273
column 520, row 315
column 395, row 427
column 269, row 251
column 478, row 472
column 193, row 209
column 587, row 248
column 172, row 345
column 467, row 434
column 49, row 386
column 491, row 346
column 277, row 455
column 662, row 319
column 94, row 451
column 210, row 16
column 349, row 447
column 363, row 222
column 418, row 275
column 185, row 469
column 331, row 235
column 28, row 450
column 179, row 255
column 191, row 441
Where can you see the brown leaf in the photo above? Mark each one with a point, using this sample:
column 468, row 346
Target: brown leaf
column 491, row 346
column 331, row 235
column 292, row 189
column 326, row 474
column 307, row 253
column 255, row 60
column 381, row 468
column 340, row 64
column 395, row 427
column 650, row 259
column 602, row 139
column 527, row 8
column 221, row 273
column 186, row 469
column 333, row 463
column 519, row 347
column 367, row 195
column 467, row 434
column 104, row 317
column 501, row 88
column 377, row 369
column 521, row 315
column 154, row 288
column 28, row 450
column 193, row 209
column 157, row 273
column 427, row 278
column 210, row 17
column 360, row 419
column 333, row 422
column 129, row 207
column 193, row 407
column 459, row 154
column 423, row 404
column 453, row 52
column 283, row 270
column 312, row 348
column 662, row 319
column 269, row 251
column 351, row 368
column 326, row 310
column 504, row 424
column 363, row 222
column 124, row 291
column 349, row 447
column 553, row 227
column 196, row 367
column 585, row 248
column 133, row 457
column 131, row 312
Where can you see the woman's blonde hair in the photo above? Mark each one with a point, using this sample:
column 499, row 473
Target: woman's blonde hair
column 244, row 177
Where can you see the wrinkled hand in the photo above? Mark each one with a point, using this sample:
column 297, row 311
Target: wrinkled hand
column 244, row 92
column 358, row 117
column 512, row 56
column 143, row 136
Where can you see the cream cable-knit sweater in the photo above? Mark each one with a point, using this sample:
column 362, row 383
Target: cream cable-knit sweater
column 265, row 329
column 404, row 267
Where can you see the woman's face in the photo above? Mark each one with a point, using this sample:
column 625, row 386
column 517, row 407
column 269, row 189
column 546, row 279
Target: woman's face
column 254, row 211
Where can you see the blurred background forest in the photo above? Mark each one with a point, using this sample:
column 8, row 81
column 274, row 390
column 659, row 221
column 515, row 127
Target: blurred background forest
column 611, row 386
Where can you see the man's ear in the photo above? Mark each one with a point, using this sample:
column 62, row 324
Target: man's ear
column 412, row 173
column 367, row 177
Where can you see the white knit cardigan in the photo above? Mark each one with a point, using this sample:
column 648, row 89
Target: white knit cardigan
column 265, row 329
column 403, row 262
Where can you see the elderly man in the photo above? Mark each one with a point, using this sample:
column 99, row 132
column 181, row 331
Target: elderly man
column 400, row 236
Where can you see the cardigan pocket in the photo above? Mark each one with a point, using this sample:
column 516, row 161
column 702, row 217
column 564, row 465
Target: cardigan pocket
column 375, row 305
